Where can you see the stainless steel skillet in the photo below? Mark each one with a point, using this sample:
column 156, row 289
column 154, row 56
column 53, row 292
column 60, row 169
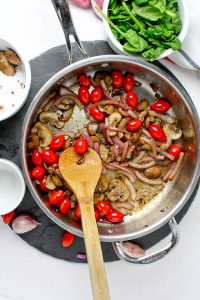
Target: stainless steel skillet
column 163, row 208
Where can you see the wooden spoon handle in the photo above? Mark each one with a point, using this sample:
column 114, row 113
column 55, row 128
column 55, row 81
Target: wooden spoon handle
column 94, row 253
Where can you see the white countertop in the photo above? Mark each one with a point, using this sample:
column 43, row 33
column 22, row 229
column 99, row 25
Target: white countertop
column 27, row 274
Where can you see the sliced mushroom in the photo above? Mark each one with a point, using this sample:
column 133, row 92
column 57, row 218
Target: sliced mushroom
column 101, row 137
column 95, row 139
column 44, row 134
column 92, row 128
column 142, row 115
column 148, row 120
column 153, row 172
column 67, row 144
column 33, row 141
column 118, row 191
column 135, row 136
column 51, row 118
column 122, row 124
column 103, row 152
column 56, row 180
column 5, row 66
column 66, row 115
column 173, row 131
column 98, row 76
column 123, row 210
column 12, row 57
column 64, row 102
column 108, row 109
column 114, row 119
column 102, row 185
column 49, row 183
column 144, row 104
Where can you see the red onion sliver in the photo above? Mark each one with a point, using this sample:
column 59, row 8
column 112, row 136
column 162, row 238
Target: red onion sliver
column 132, row 114
column 151, row 144
column 166, row 118
column 81, row 255
column 122, row 168
column 102, row 126
column 148, row 181
column 116, row 150
column 125, row 150
column 111, row 102
column 138, row 158
column 107, row 131
column 120, row 135
column 88, row 139
column 166, row 154
column 122, row 112
column 104, row 170
column 131, row 189
column 96, row 147
column 179, row 161
column 118, row 142
column 172, row 167
column 143, row 166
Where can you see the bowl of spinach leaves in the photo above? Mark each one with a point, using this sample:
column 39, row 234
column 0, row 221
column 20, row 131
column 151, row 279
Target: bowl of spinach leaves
column 151, row 29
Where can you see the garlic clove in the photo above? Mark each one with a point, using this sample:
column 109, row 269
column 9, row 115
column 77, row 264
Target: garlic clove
column 24, row 223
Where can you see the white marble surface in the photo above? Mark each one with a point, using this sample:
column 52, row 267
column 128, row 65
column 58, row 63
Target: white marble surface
column 27, row 274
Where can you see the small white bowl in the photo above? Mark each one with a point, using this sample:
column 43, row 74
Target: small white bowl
column 12, row 186
column 117, row 47
column 14, row 89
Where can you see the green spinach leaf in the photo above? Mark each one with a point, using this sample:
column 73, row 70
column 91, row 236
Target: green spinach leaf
column 153, row 53
column 141, row 2
column 147, row 12
column 159, row 4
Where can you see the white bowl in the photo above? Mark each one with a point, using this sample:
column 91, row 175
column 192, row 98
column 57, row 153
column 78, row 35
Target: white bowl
column 12, row 186
column 117, row 47
column 14, row 89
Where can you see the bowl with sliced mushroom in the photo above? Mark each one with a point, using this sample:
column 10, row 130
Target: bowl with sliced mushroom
column 15, row 79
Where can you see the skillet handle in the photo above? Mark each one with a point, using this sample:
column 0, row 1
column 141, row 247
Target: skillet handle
column 64, row 15
column 147, row 259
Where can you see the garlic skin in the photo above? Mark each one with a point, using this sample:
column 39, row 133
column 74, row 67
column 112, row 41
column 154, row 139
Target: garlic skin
column 133, row 249
column 24, row 223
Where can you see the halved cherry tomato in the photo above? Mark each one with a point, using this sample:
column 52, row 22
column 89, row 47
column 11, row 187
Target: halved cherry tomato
column 134, row 125
column 161, row 106
column 37, row 158
column 81, row 146
column 43, row 184
column 83, row 79
column 7, row 218
column 175, row 150
column 129, row 82
column 84, row 95
column 132, row 99
column 115, row 216
column 65, row 206
column 96, row 94
column 97, row 114
column 190, row 148
column 56, row 197
column 78, row 211
column 103, row 207
column 157, row 133
column 97, row 214
column 117, row 79
column 38, row 172
column 57, row 143
column 67, row 239
column 49, row 157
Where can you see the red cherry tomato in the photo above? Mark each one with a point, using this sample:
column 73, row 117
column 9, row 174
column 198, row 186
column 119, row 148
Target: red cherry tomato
column 37, row 158
column 67, row 239
column 132, row 99
column 103, row 207
column 134, row 125
column 57, row 143
column 56, row 197
column 38, row 172
column 115, row 216
column 83, row 79
column 160, row 106
column 117, row 79
column 157, row 133
column 78, row 211
column 84, row 95
column 7, row 218
column 97, row 214
column 49, row 157
column 129, row 82
column 190, row 148
column 96, row 94
column 174, row 150
column 81, row 146
column 43, row 184
column 65, row 206
column 97, row 114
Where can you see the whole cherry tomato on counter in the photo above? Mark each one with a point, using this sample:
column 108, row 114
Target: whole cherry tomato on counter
column 175, row 150
column 129, row 82
column 161, row 106
column 97, row 114
column 132, row 99
column 83, row 79
column 157, row 133
column 67, row 239
column 96, row 94
column 81, row 146
column 65, row 206
column 37, row 158
column 84, row 95
column 103, row 207
column 134, row 125
column 117, row 79
column 115, row 216
column 38, row 172
column 43, row 184
column 56, row 197
column 49, row 157
column 57, row 143
column 7, row 218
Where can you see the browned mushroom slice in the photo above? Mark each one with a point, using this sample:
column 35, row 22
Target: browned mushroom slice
column 114, row 119
column 44, row 134
column 102, row 185
column 33, row 141
column 49, row 183
column 5, row 66
column 103, row 151
column 118, row 191
column 65, row 102
column 66, row 115
column 12, row 57
column 92, row 128
column 51, row 118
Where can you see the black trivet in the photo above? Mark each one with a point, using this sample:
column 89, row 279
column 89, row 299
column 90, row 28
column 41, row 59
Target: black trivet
column 47, row 237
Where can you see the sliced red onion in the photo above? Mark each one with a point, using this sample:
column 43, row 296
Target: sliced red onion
column 125, row 150
column 171, row 169
column 120, row 135
column 146, row 159
column 107, row 131
column 104, row 170
column 146, row 133
column 130, row 177
column 127, row 173
column 96, row 147
column 139, row 157
column 102, row 126
column 103, row 85
column 178, row 164
column 118, row 142
column 130, row 150
column 160, row 157
column 148, row 181
column 24, row 223
column 163, row 163
column 82, row 256
column 88, row 139
column 166, row 154
column 131, row 189
column 116, row 150
column 87, row 113
column 111, row 102
column 151, row 144
column 164, row 117
column 142, row 166
column 166, row 145
column 123, row 169
column 122, row 112
column 132, row 114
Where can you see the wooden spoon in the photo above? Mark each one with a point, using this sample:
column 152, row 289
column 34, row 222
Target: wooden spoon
column 82, row 179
